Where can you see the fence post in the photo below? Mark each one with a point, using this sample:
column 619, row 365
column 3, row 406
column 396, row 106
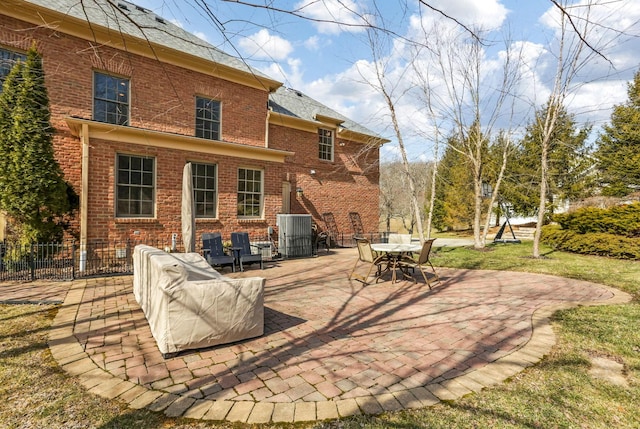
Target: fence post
column 73, row 260
column 32, row 262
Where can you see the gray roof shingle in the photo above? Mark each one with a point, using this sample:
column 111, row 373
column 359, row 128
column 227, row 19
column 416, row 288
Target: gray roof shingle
column 126, row 17
column 294, row 103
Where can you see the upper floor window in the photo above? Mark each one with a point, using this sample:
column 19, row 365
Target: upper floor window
column 249, row 193
column 7, row 60
column 207, row 118
column 135, row 186
column 325, row 144
column 110, row 99
column 204, row 189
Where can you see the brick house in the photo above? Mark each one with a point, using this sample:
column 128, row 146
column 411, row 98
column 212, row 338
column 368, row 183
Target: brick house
column 130, row 108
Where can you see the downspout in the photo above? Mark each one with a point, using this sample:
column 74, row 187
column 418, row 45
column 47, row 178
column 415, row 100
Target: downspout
column 84, row 196
column 266, row 130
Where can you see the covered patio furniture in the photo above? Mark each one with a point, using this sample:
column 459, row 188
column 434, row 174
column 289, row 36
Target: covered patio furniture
column 423, row 258
column 367, row 256
column 242, row 248
column 214, row 251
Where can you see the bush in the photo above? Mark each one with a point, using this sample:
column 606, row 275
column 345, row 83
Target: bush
column 591, row 243
column 623, row 220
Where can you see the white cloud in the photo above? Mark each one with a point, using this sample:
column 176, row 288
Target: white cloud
column 485, row 14
column 312, row 43
column 335, row 16
column 264, row 45
column 201, row 35
column 593, row 102
column 346, row 91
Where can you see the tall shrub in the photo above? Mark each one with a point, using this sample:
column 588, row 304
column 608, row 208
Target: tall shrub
column 33, row 192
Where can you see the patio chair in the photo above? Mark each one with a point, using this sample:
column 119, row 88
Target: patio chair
column 356, row 224
column 399, row 238
column 331, row 227
column 320, row 238
column 367, row 256
column 214, row 251
column 423, row 258
column 242, row 248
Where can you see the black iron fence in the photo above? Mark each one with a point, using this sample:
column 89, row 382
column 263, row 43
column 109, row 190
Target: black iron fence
column 349, row 240
column 68, row 260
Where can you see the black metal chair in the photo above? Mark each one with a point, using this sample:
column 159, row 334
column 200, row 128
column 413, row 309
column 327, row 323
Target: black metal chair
column 242, row 248
column 214, row 251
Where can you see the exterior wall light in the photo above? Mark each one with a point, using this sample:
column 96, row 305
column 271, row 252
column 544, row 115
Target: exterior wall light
column 299, row 192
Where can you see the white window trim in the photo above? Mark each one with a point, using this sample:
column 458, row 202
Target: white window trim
column 261, row 170
column 217, row 193
column 333, row 144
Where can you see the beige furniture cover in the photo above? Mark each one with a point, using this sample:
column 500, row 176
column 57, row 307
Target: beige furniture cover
column 189, row 305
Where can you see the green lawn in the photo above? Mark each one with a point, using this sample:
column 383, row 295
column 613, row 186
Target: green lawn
column 556, row 393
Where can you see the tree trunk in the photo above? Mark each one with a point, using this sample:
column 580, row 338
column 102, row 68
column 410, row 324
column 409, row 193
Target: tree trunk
column 544, row 167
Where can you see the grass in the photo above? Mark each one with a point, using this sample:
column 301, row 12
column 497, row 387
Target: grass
column 556, row 393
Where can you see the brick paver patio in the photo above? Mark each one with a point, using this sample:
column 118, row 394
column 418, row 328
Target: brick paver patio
column 331, row 347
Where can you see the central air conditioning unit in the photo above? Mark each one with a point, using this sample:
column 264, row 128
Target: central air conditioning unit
column 264, row 248
column 295, row 239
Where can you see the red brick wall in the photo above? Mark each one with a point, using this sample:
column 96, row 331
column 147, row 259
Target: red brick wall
column 348, row 184
column 163, row 99
column 168, row 167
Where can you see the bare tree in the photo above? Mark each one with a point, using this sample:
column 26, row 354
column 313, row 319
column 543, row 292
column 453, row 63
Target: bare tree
column 469, row 104
column 572, row 55
column 391, row 92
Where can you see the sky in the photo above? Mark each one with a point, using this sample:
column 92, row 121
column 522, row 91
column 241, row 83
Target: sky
column 334, row 64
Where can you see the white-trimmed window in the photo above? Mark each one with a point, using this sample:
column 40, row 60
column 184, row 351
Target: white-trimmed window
column 135, row 187
column 207, row 118
column 8, row 59
column 325, row 144
column 250, row 188
column 110, row 99
column 205, row 193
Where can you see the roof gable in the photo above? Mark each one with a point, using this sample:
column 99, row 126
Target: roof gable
column 294, row 103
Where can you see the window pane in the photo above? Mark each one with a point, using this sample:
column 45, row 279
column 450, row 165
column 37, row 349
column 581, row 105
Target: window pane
column 325, row 144
column 123, row 176
column 204, row 189
column 110, row 99
column 207, row 124
column 249, row 193
column 135, row 190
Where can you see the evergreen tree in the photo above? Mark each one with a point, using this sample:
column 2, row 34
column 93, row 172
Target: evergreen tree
column 33, row 192
column 8, row 97
column 454, row 190
column 570, row 175
column 618, row 154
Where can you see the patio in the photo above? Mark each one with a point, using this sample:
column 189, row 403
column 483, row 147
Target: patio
column 331, row 347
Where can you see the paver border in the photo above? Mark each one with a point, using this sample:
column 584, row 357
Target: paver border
column 71, row 357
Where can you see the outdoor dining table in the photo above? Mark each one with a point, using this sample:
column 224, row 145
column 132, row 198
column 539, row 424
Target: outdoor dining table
column 393, row 253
